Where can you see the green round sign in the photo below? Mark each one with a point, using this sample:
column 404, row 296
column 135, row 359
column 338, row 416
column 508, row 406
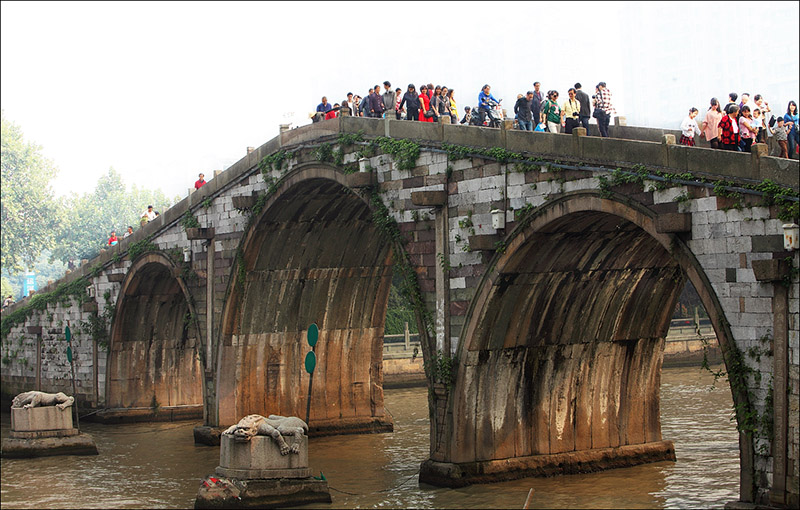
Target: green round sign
column 311, row 362
column 67, row 333
column 313, row 335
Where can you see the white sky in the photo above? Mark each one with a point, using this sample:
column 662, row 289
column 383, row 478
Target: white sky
column 162, row 91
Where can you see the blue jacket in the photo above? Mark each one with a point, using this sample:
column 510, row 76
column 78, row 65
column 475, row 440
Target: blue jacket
column 324, row 107
column 482, row 97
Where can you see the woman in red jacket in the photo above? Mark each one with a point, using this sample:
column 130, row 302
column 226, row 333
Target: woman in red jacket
column 729, row 130
column 425, row 101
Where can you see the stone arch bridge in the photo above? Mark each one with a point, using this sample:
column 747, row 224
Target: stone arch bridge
column 542, row 334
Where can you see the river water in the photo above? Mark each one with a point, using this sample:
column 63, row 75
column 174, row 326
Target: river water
column 158, row 466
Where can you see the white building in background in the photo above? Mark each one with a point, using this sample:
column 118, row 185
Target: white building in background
column 666, row 72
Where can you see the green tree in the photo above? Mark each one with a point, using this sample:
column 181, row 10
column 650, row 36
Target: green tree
column 398, row 310
column 5, row 288
column 87, row 220
column 27, row 206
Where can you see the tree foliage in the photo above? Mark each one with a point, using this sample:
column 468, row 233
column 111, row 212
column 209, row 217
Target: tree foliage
column 27, row 206
column 399, row 310
column 87, row 220
column 71, row 227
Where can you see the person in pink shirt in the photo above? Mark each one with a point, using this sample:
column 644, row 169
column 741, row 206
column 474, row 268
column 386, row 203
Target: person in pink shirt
column 711, row 124
column 747, row 130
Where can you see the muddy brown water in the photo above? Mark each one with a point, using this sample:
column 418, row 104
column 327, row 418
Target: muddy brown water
column 158, row 466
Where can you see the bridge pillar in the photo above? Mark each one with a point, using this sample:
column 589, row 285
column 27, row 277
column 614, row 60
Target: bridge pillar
column 774, row 271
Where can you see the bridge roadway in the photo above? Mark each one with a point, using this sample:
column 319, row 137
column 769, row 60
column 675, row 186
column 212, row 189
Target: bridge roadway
column 544, row 337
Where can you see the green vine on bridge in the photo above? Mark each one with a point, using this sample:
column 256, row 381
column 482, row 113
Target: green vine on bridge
column 748, row 420
column 188, row 220
column 64, row 295
column 404, row 152
column 140, row 247
column 274, row 161
column 441, row 369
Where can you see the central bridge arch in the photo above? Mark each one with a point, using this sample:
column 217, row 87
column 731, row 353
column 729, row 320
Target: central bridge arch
column 560, row 359
column 313, row 255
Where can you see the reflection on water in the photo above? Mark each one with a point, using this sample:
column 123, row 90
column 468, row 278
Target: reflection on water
column 157, row 465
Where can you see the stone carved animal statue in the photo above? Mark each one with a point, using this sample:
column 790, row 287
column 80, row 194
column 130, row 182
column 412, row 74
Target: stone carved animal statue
column 275, row 426
column 30, row 399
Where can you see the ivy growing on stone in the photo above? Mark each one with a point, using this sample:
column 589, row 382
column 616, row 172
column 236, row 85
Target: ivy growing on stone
column 274, row 161
column 404, row 152
column 188, row 220
column 139, row 247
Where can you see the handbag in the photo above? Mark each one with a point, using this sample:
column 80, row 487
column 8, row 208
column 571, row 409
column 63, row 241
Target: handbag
column 429, row 113
column 596, row 113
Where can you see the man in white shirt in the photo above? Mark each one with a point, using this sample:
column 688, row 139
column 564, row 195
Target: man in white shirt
column 149, row 213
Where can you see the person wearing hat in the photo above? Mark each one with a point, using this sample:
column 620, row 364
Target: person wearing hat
column 200, row 182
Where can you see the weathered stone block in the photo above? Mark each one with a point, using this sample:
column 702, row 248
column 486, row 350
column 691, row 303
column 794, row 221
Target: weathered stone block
column 674, row 222
column 199, row 233
column 260, row 457
column 770, row 270
column 429, row 198
column 767, row 243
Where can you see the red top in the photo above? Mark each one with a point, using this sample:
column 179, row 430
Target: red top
column 199, row 184
column 113, row 240
column 330, row 115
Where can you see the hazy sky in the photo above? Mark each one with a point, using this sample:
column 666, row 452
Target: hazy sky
column 162, row 91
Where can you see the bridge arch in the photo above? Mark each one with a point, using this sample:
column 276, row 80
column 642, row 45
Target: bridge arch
column 312, row 255
column 573, row 380
column 154, row 352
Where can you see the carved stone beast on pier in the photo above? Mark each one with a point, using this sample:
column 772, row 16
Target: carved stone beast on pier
column 275, row 426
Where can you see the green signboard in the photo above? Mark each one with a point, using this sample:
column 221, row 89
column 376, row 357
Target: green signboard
column 69, row 353
column 311, row 362
column 67, row 334
column 313, row 335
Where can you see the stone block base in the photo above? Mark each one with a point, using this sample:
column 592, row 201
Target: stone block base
column 260, row 457
column 448, row 474
column 81, row 444
column 40, row 418
column 223, row 492
column 39, row 434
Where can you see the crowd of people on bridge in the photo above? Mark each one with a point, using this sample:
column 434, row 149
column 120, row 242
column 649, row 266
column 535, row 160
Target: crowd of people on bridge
column 534, row 111
column 737, row 126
